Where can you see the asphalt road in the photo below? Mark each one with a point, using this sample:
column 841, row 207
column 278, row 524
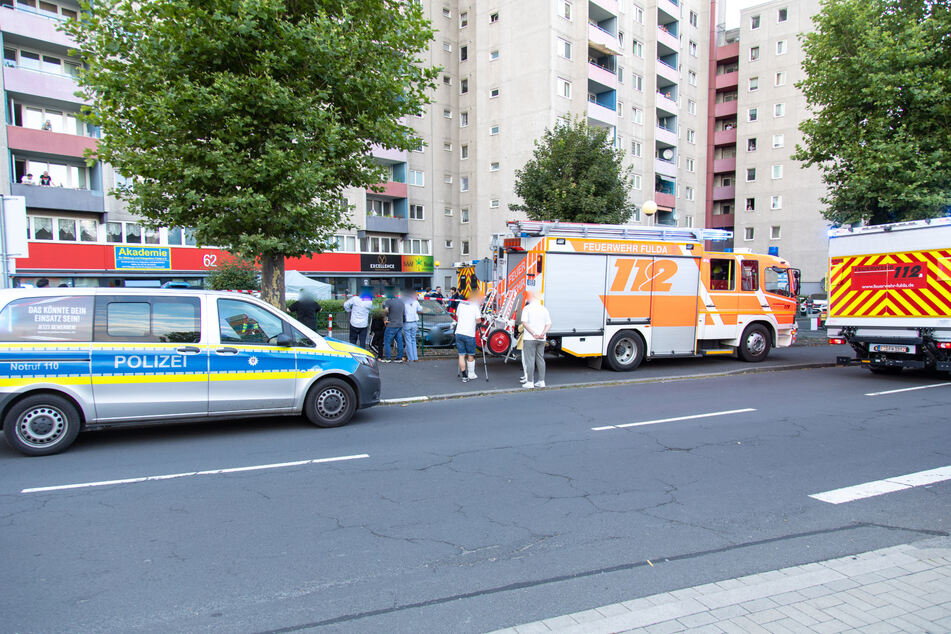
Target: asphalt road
column 466, row 515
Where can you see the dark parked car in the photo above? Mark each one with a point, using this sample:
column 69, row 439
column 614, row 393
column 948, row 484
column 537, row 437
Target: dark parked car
column 437, row 326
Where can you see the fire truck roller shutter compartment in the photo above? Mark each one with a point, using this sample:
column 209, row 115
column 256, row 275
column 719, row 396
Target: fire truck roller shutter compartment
column 673, row 284
column 573, row 300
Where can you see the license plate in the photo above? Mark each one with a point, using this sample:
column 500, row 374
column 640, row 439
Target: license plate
column 881, row 347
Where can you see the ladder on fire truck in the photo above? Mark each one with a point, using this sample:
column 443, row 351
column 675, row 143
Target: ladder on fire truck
column 532, row 228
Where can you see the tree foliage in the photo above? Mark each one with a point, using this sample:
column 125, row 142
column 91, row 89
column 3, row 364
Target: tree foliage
column 575, row 175
column 236, row 274
column 878, row 84
column 246, row 119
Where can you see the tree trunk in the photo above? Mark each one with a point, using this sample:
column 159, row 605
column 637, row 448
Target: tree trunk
column 272, row 280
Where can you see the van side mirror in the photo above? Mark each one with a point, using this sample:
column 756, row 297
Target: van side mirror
column 284, row 340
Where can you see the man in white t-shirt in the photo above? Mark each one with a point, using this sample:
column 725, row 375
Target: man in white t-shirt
column 468, row 314
column 537, row 322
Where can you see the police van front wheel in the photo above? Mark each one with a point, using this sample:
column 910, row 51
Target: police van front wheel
column 626, row 351
column 330, row 403
column 41, row 425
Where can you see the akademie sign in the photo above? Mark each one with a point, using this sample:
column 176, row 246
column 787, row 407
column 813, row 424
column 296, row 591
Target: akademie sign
column 143, row 258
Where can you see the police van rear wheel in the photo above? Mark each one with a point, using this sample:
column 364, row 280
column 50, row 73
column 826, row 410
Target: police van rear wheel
column 626, row 351
column 41, row 425
column 755, row 343
column 331, row 403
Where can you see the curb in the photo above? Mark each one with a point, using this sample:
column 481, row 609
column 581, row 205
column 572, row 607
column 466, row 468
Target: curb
column 657, row 379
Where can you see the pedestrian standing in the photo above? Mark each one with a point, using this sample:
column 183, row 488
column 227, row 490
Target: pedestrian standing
column 537, row 322
column 411, row 310
column 306, row 309
column 520, row 346
column 359, row 307
column 468, row 314
column 393, row 310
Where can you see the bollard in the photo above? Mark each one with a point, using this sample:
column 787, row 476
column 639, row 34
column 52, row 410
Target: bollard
column 330, row 325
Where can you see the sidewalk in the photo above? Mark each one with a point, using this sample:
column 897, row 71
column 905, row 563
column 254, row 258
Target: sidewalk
column 905, row 588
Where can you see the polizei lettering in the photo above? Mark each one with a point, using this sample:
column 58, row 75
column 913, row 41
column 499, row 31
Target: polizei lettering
column 150, row 362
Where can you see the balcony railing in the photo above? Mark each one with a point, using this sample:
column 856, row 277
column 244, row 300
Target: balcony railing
column 60, row 198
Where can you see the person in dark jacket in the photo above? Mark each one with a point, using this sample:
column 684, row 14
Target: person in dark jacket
column 306, row 309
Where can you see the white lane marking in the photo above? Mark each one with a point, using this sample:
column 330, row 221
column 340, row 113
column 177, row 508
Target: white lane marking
column 172, row 476
column 671, row 420
column 407, row 399
column 880, row 487
column 909, row 389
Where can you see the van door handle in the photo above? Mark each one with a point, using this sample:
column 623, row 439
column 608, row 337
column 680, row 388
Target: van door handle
column 188, row 350
column 227, row 351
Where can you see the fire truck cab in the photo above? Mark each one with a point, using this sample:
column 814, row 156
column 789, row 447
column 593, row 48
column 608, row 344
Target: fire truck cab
column 623, row 294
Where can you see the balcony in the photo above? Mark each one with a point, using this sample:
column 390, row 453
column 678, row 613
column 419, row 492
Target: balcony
column 35, row 26
column 60, row 198
column 667, row 38
column 725, row 109
column 387, row 224
column 665, row 103
column 602, row 114
column 390, row 190
column 670, row 7
column 724, row 192
column 608, row 6
column 665, row 136
column 724, row 165
column 388, row 156
column 728, row 80
column 603, row 41
column 667, row 71
column 602, row 76
column 721, row 221
column 725, row 137
column 40, row 84
column 46, row 142
column 667, row 168
column 728, row 52
column 665, row 200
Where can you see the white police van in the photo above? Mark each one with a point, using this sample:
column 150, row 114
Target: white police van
column 74, row 359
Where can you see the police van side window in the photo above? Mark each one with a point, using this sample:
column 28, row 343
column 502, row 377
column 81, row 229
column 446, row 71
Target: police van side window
column 301, row 340
column 59, row 318
column 244, row 322
column 151, row 319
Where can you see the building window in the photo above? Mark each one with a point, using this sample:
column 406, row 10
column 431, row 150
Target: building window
column 447, row 80
column 493, row 55
column 638, row 14
column 464, row 215
column 693, row 18
column 377, row 207
column 750, row 174
column 779, row 110
column 493, row 93
column 447, row 46
column 781, row 47
column 494, row 203
column 692, row 48
column 494, row 130
column 447, row 179
column 446, row 13
column 463, row 119
column 564, row 48
column 754, row 53
column 776, row 202
column 464, row 151
column 463, row 183
column 748, row 233
column 638, row 82
column 464, row 86
column 691, row 136
column 416, row 212
column 754, row 22
column 465, row 247
column 754, row 84
column 689, row 193
column 782, row 15
column 463, row 19
column 780, row 78
column 416, row 178
column 564, row 10
column 636, row 148
column 620, row 112
column 779, row 140
column 691, row 165
column 777, row 172
column 750, row 204
column 774, row 232
column 446, row 113
column 637, row 116
column 493, row 17
column 463, row 53
column 638, row 49
column 751, row 144
column 620, row 38
column 620, row 74
column 447, row 244
column 447, row 147
column 691, row 78
column 691, row 106
column 494, row 166
column 751, row 114
column 416, row 247
column 447, row 211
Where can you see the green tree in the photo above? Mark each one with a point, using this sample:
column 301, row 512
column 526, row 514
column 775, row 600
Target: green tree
column 236, row 274
column 246, row 119
column 878, row 85
column 575, row 175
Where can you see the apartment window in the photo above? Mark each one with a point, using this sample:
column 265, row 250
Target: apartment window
column 620, row 74
column 779, row 110
column 693, row 18
column 691, row 106
column 748, row 233
column 750, row 204
column 774, row 232
column 464, row 151
column 691, row 136
column 446, row 113
column 416, row 247
column 447, row 244
column 564, row 10
column 447, row 147
column 464, row 86
column 463, row 19
column 754, row 53
column 620, row 111
column 780, row 79
column 376, row 207
column 689, row 193
column 638, row 82
column 416, row 212
column 464, row 215
column 691, row 165
column 779, row 140
column 494, row 166
column 620, row 38
column 493, row 55
column 636, row 149
column 417, row 178
column 463, row 183
column 447, row 179
column 777, row 172
column 637, row 116
column 691, row 78
column 754, row 22
column 781, row 47
column 636, row 181
column 638, row 49
column 463, row 119
column 750, row 174
column 447, row 80
column 447, row 46
column 463, row 53
column 493, row 93
column 752, row 114
column 564, row 48
column 776, row 202
column 782, row 15
column 494, row 203
column 692, row 48
column 446, row 13
column 638, row 14
column 113, row 231
column 751, row 145
column 465, row 247
column 754, row 84
column 493, row 17
column 447, row 211
column 494, row 130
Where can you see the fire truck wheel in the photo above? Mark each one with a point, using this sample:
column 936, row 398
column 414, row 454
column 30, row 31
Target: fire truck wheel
column 755, row 344
column 626, row 351
column 499, row 341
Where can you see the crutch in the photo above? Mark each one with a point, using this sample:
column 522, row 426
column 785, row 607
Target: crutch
column 485, row 366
